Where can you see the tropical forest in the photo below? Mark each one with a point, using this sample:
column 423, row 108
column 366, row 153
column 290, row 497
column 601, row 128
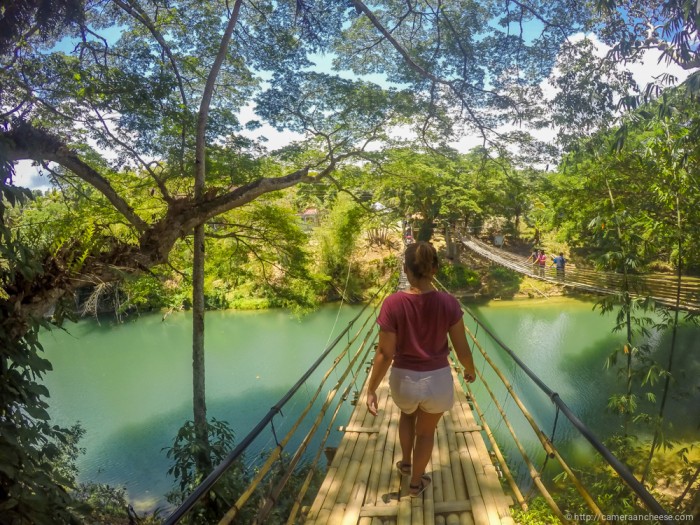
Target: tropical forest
column 204, row 204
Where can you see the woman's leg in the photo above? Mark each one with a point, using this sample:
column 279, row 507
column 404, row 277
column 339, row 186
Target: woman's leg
column 407, row 434
column 426, row 424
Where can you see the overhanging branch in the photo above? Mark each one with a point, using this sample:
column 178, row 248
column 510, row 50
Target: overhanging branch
column 25, row 142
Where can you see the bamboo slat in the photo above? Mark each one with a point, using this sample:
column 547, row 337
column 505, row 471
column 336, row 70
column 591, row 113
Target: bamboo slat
column 504, row 466
column 379, row 453
column 438, row 497
column 404, row 515
column 417, row 509
column 388, row 459
column 449, row 491
column 458, row 477
column 363, row 485
column 351, row 483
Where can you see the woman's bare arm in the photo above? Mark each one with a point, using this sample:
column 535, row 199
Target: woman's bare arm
column 382, row 361
column 461, row 347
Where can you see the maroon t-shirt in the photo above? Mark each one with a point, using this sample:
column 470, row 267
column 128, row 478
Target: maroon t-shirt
column 421, row 323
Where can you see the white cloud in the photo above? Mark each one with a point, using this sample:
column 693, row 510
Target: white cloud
column 29, row 176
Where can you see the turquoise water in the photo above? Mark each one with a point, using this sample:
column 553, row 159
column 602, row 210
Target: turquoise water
column 129, row 385
column 565, row 343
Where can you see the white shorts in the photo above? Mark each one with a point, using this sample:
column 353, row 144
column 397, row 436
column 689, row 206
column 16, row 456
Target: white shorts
column 431, row 391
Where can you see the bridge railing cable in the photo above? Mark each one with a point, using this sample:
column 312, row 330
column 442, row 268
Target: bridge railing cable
column 623, row 472
column 267, row 422
column 277, row 451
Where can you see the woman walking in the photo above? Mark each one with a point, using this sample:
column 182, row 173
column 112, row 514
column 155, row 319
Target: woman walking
column 414, row 327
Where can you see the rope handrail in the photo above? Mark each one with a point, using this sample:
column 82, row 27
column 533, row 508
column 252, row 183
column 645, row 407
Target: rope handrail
column 231, row 515
column 621, row 469
column 314, row 463
column 222, row 467
column 546, row 443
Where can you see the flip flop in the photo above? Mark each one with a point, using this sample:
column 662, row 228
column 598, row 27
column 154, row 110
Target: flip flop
column 404, row 468
column 417, row 490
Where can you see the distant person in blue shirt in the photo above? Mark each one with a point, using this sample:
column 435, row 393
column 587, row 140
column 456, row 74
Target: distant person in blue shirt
column 560, row 264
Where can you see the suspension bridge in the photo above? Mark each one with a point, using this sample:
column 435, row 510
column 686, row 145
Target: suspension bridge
column 661, row 288
column 471, row 481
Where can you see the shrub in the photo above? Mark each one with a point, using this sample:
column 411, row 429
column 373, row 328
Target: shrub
column 458, row 276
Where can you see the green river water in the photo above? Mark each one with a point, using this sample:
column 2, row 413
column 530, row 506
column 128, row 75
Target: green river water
column 129, row 385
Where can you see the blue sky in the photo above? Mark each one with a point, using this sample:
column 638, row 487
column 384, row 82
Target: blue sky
column 28, row 176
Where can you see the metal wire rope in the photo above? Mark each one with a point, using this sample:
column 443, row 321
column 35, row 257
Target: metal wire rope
column 277, row 452
column 615, row 463
column 209, row 481
column 277, row 490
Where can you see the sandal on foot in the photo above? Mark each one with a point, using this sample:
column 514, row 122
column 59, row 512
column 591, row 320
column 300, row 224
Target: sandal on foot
column 417, row 490
column 404, row 468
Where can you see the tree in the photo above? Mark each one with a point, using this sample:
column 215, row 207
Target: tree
column 149, row 95
column 641, row 207
column 162, row 101
column 336, row 239
column 590, row 92
column 667, row 25
column 25, row 19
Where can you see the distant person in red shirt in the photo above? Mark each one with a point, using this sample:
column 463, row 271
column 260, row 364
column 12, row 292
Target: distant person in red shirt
column 414, row 326
column 541, row 263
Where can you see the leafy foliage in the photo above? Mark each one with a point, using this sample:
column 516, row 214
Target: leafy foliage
column 336, row 242
column 458, row 277
column 235, row 480
column 656, row 162
column 184, row 452
column 22, row 19
column 503, row 282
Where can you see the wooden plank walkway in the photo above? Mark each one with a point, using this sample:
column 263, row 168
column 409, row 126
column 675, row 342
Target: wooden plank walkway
column 362, row 485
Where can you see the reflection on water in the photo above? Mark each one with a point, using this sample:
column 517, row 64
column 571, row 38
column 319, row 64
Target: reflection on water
column 130, row 385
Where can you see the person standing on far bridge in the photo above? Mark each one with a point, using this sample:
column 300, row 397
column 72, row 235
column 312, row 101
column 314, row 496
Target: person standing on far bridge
column 541, row 263
column 560, row 263
column 414, row 328
column 533, row 258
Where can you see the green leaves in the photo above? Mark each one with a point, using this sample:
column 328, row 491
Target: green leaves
column 339, row 113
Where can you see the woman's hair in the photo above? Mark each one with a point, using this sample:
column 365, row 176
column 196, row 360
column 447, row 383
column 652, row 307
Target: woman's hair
column 421, row 258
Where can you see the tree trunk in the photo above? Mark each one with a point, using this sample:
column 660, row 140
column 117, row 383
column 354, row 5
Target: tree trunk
column 199, row 404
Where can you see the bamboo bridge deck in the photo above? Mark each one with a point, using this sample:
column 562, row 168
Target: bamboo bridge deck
column 363, row 486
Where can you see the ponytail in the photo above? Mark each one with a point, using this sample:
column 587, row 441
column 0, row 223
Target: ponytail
column 421, row 258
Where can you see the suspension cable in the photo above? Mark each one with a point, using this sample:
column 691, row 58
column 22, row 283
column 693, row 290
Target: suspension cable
column 277, row 452
column 270, row 500
column 219, row 471
column 622, row 470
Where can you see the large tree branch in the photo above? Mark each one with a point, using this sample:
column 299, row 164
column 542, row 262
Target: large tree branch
column 25, row 142
column 242, row 195
column 207, row 95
